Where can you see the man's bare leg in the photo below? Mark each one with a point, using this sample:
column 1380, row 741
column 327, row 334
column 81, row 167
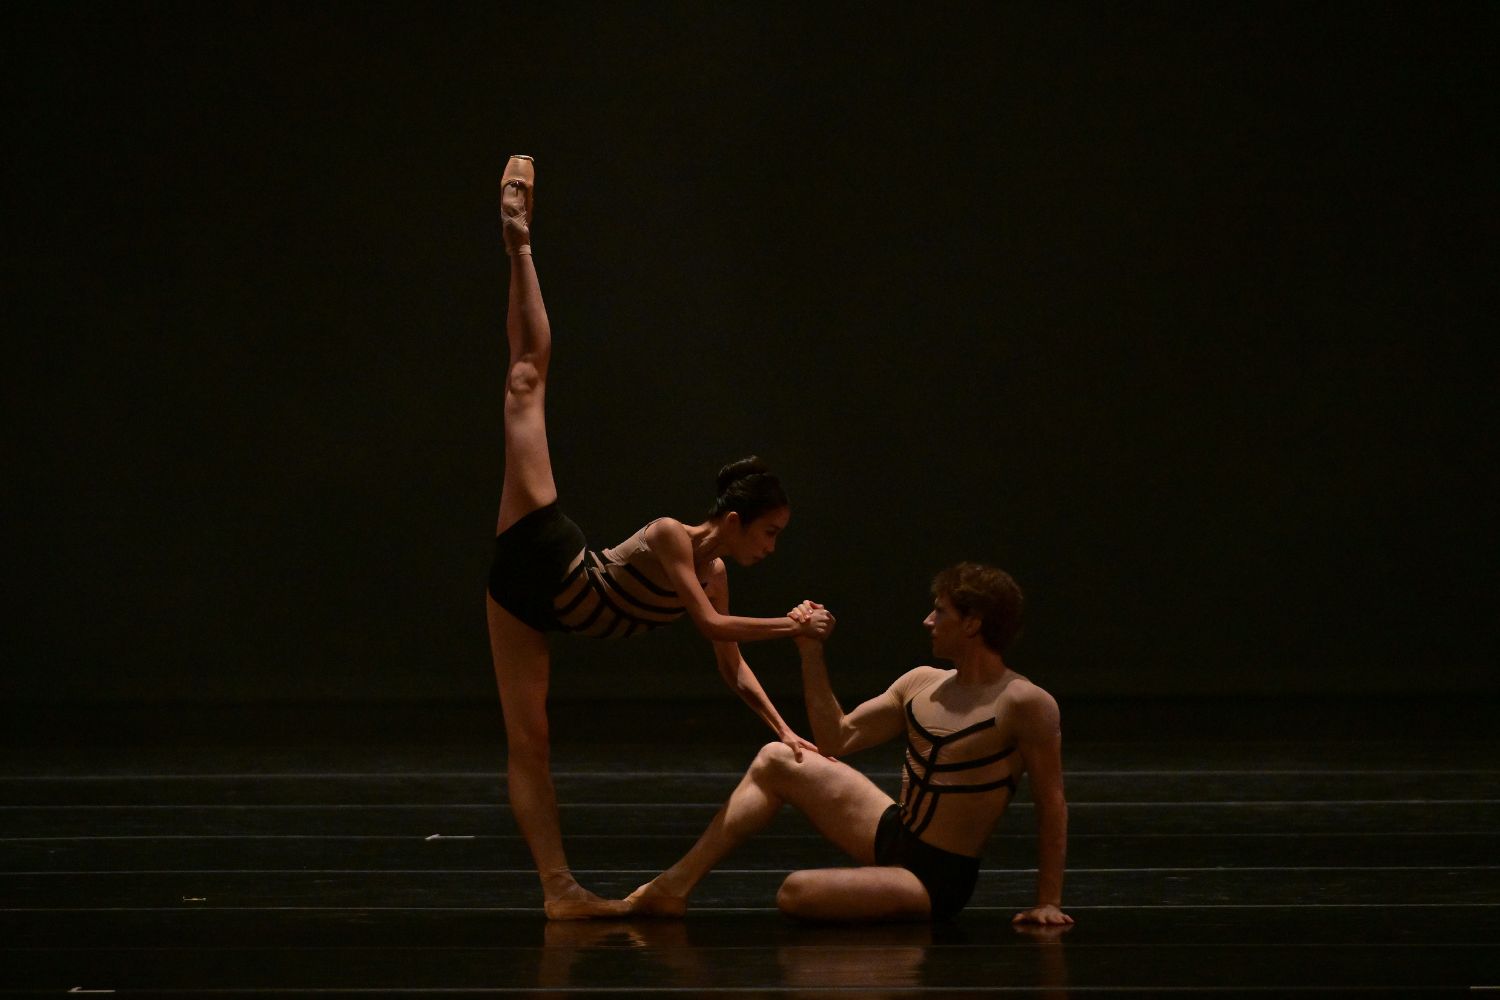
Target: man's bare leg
column 843, row 804
column 854, row 894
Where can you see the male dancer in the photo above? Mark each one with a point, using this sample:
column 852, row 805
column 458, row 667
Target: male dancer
column 971, row 733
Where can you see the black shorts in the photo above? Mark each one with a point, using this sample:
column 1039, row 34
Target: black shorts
column 949, row 878
column 531, row 559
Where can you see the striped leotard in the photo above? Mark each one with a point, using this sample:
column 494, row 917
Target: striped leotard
column 961, row 765
column 958, row 778
column 925, row 779
column 545, row 574
column 617, row 593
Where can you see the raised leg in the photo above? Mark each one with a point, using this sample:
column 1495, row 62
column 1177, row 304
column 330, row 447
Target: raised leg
column 528, row 480
column 843, row 804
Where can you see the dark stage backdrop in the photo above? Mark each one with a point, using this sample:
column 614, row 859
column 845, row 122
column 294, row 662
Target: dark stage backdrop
column 1181, row 312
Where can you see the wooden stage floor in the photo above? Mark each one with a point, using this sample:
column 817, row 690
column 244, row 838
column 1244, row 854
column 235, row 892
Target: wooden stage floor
column 1248, row 849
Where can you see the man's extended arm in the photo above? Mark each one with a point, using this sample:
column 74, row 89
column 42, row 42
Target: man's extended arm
column 835, row 733
column 1040, row 738
column 824, row 712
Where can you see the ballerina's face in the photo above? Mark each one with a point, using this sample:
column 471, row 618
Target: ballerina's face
column 750, row 543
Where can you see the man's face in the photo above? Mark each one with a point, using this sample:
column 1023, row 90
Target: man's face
column 946, row 626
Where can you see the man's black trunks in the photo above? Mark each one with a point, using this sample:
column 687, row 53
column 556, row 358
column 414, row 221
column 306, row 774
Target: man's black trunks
column 949, row 878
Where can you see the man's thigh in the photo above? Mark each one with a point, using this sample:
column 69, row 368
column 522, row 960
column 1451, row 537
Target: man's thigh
column 871, row 893
column 841, row 802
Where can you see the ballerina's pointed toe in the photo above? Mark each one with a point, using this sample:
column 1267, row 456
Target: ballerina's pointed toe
column 521, row 171
column 516, row 207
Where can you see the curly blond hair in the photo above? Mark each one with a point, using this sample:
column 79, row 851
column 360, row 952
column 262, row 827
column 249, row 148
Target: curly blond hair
column 989, row 593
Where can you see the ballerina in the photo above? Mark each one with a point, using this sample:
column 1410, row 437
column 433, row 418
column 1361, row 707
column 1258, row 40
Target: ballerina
column 546, row 578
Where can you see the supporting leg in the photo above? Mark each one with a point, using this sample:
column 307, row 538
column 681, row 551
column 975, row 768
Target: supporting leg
column 521, row 671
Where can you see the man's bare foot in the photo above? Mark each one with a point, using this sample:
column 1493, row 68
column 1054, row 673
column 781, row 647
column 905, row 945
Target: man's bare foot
column 577, row 903
column 517, row 185
column 650, row 901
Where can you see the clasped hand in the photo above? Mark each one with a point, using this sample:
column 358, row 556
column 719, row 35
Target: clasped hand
column 814, row 622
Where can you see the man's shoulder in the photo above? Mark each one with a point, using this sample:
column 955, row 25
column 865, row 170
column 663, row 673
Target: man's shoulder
column 915, row 679
column 1023, row 697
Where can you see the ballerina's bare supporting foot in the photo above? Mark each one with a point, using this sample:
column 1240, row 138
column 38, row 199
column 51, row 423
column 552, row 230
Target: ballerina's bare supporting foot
column 580, row 904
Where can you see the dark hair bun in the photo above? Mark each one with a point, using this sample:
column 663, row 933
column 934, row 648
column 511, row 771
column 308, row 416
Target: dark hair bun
column 735, row 471
column 747, row 488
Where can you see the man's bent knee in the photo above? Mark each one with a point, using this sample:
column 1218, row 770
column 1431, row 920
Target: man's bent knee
column 792, row 897
column 773, row 756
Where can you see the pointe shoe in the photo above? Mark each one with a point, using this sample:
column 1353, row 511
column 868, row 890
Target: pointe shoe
column 515, row 218
column 521, row 170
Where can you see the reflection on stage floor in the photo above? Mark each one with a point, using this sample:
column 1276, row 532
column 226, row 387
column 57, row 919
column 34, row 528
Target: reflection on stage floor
column 369, row 852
